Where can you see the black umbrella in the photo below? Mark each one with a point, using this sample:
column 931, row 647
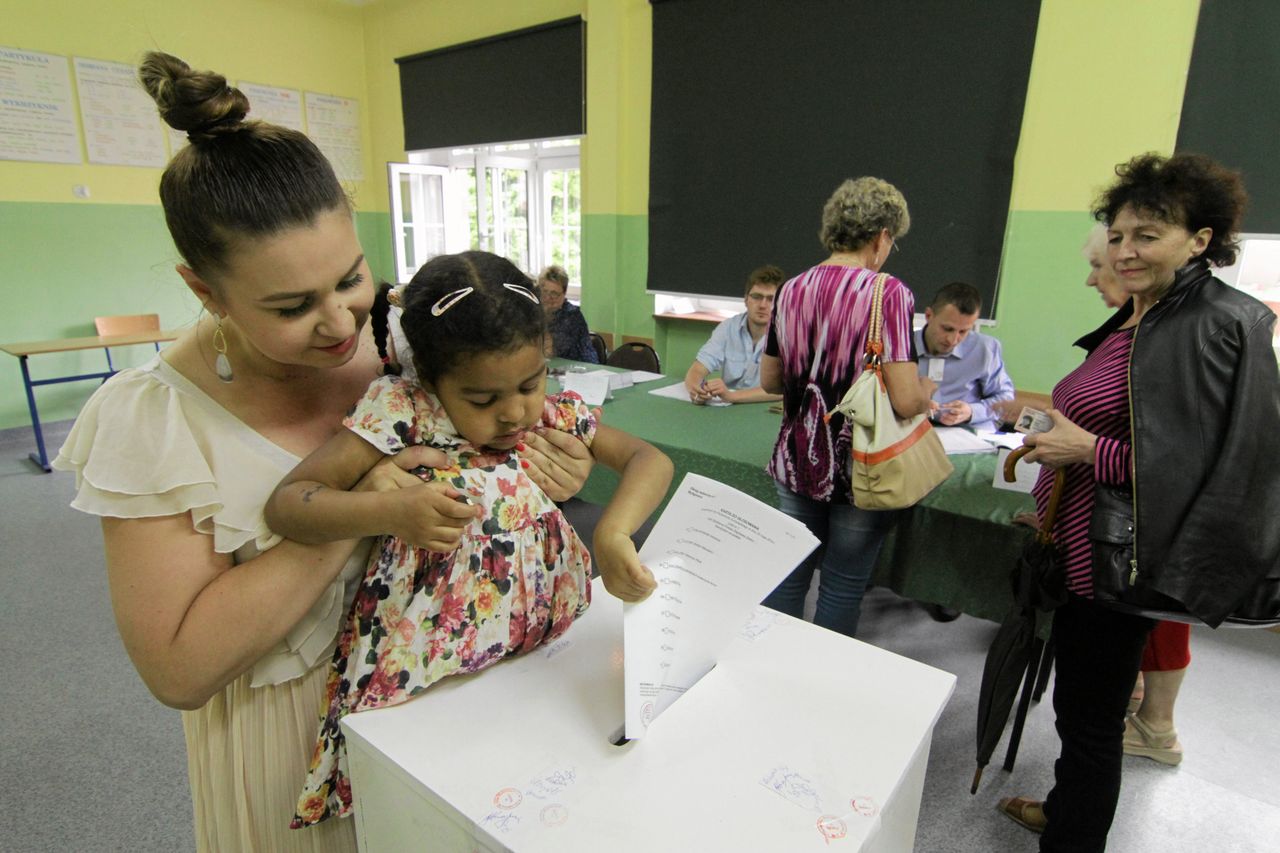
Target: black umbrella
column 1016, row 652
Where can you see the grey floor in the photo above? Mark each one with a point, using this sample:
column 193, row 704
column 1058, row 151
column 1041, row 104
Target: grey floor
column 93, row 763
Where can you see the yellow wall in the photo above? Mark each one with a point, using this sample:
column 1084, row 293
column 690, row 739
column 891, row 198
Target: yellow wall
column 1107, row 81
column 311, row 45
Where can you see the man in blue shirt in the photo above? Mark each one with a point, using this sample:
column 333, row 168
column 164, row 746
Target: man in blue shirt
column 967, row 366
column 735, row 348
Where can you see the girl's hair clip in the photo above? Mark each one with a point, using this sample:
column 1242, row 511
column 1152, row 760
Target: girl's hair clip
column 523, row 291
column 444, row 303
column 395, row 296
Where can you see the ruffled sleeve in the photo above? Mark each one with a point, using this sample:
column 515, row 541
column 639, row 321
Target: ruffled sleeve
column 566, row 412
column 148, row 443
column 137, row 454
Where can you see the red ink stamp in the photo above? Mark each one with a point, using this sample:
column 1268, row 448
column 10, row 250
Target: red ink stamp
column 832, row 828
column 864, row 806
column 554, row 815
column 508, row 798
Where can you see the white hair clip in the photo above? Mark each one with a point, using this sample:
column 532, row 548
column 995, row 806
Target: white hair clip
column 444, row 303
column 523, row 291
column 451, row 299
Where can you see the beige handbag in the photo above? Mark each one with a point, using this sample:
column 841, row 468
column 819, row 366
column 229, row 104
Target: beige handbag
column 893, row 462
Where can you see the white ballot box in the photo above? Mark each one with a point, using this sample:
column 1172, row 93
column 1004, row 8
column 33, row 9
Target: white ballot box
column 799, row 739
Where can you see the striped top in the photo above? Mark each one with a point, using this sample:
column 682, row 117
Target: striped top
column 819, row 332
column 1095, row 397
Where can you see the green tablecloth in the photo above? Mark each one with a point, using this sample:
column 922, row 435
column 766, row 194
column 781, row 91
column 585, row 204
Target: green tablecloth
column 955, row 548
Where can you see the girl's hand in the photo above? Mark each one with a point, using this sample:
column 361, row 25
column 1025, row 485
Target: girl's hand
column 395, row 472
column 558, row 461
column 619, row 564
column 1065, row 444
column 430, row 515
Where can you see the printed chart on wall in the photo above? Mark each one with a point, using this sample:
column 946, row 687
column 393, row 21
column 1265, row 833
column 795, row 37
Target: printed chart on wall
column 37, row 116
column 121, row 126
column 333, row 123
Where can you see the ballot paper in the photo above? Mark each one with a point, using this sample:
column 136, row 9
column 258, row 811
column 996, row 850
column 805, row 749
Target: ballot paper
column 960, row 440
column 1010, row 440
column 638, row 376
column 715, row 553
column 675, row 392
column 1025, row 474
column 592, row 387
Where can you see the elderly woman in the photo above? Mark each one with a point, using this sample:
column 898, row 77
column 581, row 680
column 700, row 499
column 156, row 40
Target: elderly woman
column 814, row 353
column 567, row 335
column 1180, row 399
column 1148, row 731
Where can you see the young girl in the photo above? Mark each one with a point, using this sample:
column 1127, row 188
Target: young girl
column 519, row 575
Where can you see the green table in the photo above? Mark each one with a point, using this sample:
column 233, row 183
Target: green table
column 955, row 548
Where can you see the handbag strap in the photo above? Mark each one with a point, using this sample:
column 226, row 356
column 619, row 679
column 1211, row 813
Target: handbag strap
column 875, row 326
column 1045, row 531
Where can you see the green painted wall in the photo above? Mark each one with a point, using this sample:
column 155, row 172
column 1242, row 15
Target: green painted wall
column 64, row 264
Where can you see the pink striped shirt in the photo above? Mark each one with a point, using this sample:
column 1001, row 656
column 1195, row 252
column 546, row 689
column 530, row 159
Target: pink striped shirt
column 819, row 332
column 1095, row 397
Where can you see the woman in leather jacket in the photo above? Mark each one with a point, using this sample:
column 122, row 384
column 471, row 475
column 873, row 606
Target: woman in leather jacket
column 1179, row 399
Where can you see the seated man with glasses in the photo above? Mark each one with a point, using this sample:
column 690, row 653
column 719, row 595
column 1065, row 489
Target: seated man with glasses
column 735, row 348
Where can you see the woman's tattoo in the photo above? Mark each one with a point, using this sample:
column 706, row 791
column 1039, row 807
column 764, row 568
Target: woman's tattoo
column 306, row 495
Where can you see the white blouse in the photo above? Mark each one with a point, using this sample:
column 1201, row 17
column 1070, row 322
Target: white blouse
column 150, row 443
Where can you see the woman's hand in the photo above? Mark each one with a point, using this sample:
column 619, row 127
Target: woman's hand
column 624, row 577
column 558, row 461
column 1065, row 444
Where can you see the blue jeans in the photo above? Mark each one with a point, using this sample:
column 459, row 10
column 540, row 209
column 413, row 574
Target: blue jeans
column 849, row 541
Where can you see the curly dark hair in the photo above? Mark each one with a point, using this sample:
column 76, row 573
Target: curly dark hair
column 1189, row 190
column 491, row 318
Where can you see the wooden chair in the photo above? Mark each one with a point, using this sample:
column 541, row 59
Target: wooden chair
column 124, row 324
column 602, row 351
column 635, row 355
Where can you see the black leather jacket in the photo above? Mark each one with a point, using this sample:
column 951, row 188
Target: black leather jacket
column 1204, row 396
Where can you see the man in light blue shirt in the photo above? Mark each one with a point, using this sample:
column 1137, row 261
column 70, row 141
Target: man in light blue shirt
column 967, row 366
column 735, row 348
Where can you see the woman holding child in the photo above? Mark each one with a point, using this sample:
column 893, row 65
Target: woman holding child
column 221, row 617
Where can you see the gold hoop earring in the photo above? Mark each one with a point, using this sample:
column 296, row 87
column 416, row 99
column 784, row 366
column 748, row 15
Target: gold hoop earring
column 221, row 365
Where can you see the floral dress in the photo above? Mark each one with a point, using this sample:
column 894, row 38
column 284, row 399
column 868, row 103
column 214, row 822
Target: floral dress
column 518, row 579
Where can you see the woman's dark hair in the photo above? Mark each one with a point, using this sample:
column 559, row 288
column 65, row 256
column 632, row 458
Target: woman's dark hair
column 1189, row 190
column 444, row 327
column 237, row 178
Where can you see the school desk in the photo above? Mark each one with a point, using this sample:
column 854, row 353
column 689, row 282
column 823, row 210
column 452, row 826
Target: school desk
column 30, row 348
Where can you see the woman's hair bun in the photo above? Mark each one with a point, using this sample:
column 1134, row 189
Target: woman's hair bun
column 199, row 102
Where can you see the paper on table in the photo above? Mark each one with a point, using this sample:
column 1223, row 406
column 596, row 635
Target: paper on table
column 593, row 387
column 960, row 440
column 1011, row 440
column 638, row 376
column 675, row 392
column 1025, row 474
column 715, row 553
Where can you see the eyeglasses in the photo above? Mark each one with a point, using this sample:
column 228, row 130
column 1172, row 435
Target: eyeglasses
column 760, row 297
column 893, row 246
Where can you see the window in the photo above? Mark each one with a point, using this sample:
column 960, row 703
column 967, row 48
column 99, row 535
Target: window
column 520, row 200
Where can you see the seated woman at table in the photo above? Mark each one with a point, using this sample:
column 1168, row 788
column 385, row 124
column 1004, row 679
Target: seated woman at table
column 813, row 355
column 1198, row 453
column 567, row 333
column 221, row 618
column 520, row 575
